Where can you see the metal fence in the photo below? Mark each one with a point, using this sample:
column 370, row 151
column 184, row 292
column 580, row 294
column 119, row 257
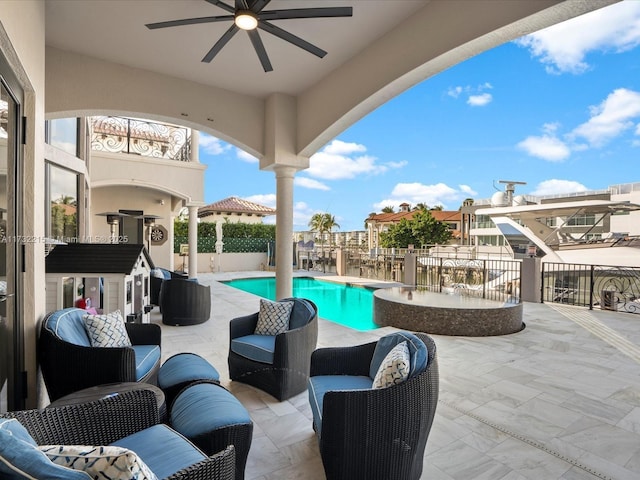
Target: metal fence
column 388, row 267
column 492, row 279
column 593, row 286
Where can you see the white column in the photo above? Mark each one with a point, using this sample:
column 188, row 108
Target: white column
column 195, row 140
column 284, row 230
column 193, row 241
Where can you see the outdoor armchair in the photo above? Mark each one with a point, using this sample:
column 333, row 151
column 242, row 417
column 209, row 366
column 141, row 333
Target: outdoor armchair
column 184, row 302
column 372, row 433
column 128, row 420
column 278, row 364
column 159, row 275
column 69, row 363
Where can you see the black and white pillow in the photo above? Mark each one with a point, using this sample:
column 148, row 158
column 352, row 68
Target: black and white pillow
column 273, row 317
column 107, row 330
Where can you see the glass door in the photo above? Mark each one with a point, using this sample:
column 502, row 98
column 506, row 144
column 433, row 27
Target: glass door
column 11, row 329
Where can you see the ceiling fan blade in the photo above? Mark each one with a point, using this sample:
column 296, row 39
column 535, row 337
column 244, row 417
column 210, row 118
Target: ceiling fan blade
column 222, row 5
column 220, row 43
column 291, row 38
column 242, row 5
column 188, row 21
column 260, row 50
column 258, row 5
column 307, row 13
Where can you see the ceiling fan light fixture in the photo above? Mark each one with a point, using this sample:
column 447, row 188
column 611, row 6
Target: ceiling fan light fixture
column 246, row 20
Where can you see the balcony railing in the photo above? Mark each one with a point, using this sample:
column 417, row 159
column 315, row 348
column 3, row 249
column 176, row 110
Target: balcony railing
column 141, row 137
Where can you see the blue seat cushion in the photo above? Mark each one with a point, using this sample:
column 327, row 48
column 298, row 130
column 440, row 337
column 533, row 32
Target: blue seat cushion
column 205, row 407
column 259, row 348
column 162, row 449
column 68, row 325
column 322, row 384
column 184, row 367
column 146, row 357
column 417, row 352
column 20, row 457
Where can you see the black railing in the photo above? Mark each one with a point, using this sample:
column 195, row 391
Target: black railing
column 388, row 267
column 141, row 137
column 593, row 286
column 492, row 279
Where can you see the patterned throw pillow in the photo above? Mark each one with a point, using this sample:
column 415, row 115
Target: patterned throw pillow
column 395, row 367
column 107, row 330
column 100, row 462
column 273, row 317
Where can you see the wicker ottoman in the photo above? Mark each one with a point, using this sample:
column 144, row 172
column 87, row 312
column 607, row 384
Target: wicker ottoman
column 182, row 369
column 212, row 418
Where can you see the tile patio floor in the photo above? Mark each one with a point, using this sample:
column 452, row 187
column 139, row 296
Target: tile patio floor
column 559, row 400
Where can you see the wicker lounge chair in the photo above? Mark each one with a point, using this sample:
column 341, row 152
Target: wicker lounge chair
column 286, row 373
column 366, row 433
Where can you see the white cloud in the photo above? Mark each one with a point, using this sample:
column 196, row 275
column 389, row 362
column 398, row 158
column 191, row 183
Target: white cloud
column 306, row 182
column 476, row 97
column 547, row 147
column 432, row 195
column 212, row 145
column 480, row 100
column 609, row 119
column 554, row 187
column 468, row 190
column 246, row 157
column 337, row 161
column 562, row 48
column 338, row 147
column 301, row 215
column 267, row 199
column 455, row 91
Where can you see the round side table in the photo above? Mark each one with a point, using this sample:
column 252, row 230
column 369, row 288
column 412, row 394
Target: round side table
column 99, row 392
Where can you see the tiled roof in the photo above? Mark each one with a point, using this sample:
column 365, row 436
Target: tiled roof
column 440, row 215
column 95, row 258
column 235, row 205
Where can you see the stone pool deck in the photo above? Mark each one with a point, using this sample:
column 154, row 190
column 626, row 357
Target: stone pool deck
column 558, row 400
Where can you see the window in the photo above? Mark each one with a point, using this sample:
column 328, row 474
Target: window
column 62, row 133
column 62, row 196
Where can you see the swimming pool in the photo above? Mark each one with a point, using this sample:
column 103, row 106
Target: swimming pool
column 344, row 304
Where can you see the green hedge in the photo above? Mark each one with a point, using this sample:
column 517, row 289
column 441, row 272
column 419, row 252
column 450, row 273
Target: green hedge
column 231, row 245
column 237, row 237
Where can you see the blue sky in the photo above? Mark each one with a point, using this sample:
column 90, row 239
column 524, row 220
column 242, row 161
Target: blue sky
column 558, row 109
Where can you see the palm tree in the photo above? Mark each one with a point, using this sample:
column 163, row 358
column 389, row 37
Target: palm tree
column 421, row 206
column 321, row 223
column 388, row 209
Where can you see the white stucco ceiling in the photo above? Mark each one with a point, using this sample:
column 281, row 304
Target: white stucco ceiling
column 115, row 30
column 102, row 56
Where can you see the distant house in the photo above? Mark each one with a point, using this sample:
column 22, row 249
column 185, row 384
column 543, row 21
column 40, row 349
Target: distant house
column 380, row 222
column 236, row 210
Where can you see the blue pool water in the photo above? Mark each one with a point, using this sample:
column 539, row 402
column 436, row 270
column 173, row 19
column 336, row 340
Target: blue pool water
column 340, row 303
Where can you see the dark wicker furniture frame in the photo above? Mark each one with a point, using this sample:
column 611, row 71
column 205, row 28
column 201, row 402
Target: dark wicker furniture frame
column 67, row 368
column 105, row 421
column 289, row 373
column 240, row 436
column 375, row 434
column 184, row 302
column 155, row 285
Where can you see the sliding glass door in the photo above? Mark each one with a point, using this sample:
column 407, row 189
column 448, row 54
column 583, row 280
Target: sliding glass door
column 12, row 382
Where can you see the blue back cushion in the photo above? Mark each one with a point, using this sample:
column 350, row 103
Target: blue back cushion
column 68, row 325
column 20, row 457
column 302, row 313
column 417, row 352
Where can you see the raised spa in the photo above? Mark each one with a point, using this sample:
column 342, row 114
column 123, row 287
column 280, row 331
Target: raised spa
column 443, row 314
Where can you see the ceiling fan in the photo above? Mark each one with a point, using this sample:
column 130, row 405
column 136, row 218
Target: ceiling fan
column 249, row 15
